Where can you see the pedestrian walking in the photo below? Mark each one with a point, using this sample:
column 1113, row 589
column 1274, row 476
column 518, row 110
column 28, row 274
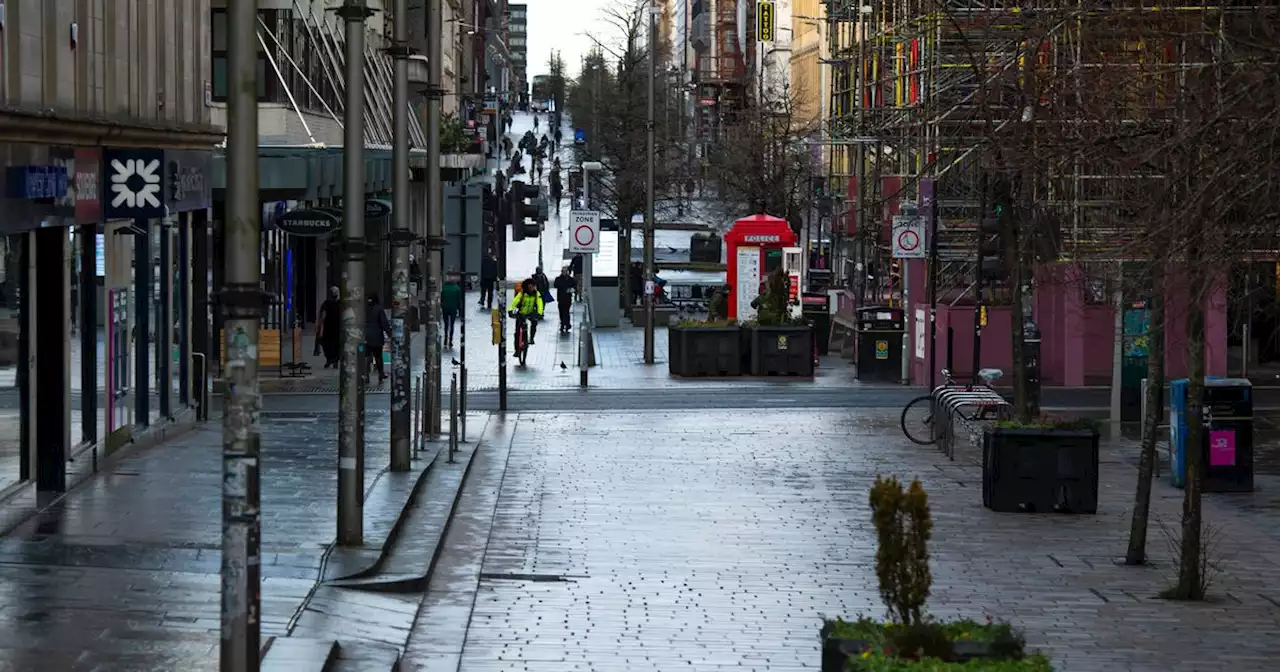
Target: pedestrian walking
column 450, row 303
column 557, row 186
column 377, row 327
column 488, row 278
column 575, row 267
column 565, row 286
column 329, row 328
column 542, row 282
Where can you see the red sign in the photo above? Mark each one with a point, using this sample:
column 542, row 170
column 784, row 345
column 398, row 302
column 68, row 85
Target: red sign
column 85, row 184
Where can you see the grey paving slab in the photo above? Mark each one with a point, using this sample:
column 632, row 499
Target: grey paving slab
column 668, row 540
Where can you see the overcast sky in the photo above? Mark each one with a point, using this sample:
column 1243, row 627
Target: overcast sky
column 562, row 24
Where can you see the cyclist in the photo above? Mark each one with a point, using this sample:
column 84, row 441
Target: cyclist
column 528, row 303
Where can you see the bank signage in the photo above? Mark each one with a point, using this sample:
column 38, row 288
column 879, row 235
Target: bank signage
column 308, row 223
column 133, row 184
column 187, row 180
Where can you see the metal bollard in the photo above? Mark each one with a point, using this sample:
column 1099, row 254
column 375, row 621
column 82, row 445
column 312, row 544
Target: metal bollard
column 584, row 359
column 462, row 405
column 198, row 362
column 426, row 397
column 417, row 413
column 453, row 416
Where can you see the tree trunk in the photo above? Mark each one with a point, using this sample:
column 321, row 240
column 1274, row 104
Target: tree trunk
column 1137, row 552
column 1190, row 572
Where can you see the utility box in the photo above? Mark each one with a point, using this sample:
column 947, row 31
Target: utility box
column 1226, row 446
column 816, row 309
column 880, row 333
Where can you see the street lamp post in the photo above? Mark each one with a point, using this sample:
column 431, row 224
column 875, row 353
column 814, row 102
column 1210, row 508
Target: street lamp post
column 400, row 239
column 649, row 222
column 435, row 212
column 242, row 309
column 351, row 387
column 584, row 362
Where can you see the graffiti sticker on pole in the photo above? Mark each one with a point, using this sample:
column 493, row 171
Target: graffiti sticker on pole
column 908, row 238
column 584, row 232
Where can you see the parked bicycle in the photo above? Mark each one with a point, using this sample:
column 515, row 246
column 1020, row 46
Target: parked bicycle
column 919, row 417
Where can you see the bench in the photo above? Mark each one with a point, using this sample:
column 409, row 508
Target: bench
column 967, row 410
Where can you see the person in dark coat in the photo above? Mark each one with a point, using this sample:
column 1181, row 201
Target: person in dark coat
column 377, row 327
column 488, row 278
column 575, row 267
column 565, row 285
column 329, row 328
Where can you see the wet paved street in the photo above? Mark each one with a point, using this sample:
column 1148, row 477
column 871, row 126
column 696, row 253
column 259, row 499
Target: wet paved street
column 122, row 574
column 665, row 541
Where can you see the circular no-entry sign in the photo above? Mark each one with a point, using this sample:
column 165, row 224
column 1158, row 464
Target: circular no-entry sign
column 908, row 241
column 584, row 235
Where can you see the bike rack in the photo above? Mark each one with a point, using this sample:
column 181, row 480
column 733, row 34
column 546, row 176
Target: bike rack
column 949, row 402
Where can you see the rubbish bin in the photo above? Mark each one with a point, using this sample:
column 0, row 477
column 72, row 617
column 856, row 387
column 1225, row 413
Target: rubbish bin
column 880, row 334
column 815, row 307
column 1226, row 448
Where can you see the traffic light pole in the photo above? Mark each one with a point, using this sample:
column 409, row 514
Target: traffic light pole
column 351, row 383
column 242, row 310
column 649, row 275
column 400, row 239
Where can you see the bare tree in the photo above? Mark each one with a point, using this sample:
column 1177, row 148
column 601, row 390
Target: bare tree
column 609, row 102
column 763, row 163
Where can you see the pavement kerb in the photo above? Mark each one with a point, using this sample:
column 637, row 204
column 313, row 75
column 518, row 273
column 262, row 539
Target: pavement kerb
column 385, row 544
column 417, row 583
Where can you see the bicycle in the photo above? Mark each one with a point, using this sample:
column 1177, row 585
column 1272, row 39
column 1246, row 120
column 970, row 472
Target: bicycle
column 522, row 337
column 926, row 403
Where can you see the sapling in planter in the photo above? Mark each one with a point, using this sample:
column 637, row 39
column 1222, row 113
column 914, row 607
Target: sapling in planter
column 903, row 528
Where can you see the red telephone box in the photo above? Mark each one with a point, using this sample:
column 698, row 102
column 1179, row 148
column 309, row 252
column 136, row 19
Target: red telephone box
column 755, row 246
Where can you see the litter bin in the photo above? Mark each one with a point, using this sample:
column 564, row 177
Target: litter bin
column 816, row 310
column 1226, row 448
column 880, row 334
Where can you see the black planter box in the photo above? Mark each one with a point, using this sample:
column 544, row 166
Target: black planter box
column 836, row 652
column 695, row 352
column 1044, row 470
column 782, row 351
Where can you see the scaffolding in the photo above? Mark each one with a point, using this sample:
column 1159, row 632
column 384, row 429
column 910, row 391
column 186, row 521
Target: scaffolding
column 929, row 91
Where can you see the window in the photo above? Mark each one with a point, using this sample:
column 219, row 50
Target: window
column 268, row 86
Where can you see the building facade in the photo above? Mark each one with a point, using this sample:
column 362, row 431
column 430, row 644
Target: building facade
column 518, row 44
column 106, row 139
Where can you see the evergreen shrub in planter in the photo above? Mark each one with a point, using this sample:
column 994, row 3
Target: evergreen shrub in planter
column 909, row 640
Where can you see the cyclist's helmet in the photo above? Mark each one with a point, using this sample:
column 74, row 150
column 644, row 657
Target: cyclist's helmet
column 529, row 286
